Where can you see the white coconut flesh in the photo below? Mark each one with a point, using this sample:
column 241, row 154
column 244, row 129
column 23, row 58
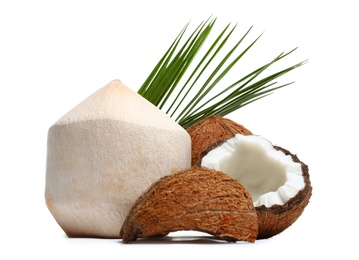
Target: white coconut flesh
column 270, row 176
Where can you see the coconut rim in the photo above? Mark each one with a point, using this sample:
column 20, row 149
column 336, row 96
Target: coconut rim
column 299, row 197
column 276, row 208
column 211, row 129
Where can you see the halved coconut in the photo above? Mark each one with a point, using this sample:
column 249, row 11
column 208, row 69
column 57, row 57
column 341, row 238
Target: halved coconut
column 277, row 181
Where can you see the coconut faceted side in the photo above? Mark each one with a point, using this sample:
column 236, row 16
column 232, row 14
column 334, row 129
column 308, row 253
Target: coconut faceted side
column 212, row 132
column 197, row 199
column 277, row 181
column 103, row 154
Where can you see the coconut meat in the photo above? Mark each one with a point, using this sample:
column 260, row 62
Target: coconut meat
column 270, row 176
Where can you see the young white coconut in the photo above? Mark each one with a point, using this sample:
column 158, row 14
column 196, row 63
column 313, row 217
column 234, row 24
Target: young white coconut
column 103, row 154
column 276, row 179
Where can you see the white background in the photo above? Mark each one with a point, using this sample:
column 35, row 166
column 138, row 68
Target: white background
column 53, row 54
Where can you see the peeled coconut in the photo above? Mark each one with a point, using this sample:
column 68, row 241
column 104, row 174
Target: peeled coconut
column 103, row 154
column 276, row 179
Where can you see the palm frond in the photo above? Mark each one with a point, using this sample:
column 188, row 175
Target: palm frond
column 167, row 75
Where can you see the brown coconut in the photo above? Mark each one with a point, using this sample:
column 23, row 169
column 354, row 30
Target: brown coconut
column 271, row 220
column 211, row 132
column 196, row 199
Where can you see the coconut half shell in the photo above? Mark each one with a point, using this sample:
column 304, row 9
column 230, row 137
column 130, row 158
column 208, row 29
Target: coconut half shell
column 195, row 199
column 271, row 220
column 211, row 132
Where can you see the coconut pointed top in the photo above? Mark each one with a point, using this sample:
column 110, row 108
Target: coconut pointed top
column 116, row 101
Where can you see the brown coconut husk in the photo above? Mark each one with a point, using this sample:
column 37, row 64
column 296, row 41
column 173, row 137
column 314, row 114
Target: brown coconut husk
column 210, row 133
column 275, row 219
column 196, row 199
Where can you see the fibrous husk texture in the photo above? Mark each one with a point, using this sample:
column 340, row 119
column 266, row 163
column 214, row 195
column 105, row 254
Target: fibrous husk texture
column 275, row 219
column 210, row 133
column 195, row 199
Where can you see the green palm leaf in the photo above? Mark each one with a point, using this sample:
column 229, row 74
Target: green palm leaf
column 166, row 78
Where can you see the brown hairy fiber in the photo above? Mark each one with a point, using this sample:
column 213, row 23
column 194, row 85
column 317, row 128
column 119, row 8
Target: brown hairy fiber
column 277, row 218
column 195, row 199
column 212, row 132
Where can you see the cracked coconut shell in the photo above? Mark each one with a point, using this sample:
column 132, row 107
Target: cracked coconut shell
column 272, row 219
column 196, row 199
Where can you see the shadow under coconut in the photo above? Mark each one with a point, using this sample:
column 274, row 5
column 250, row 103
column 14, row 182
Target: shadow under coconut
column 183, row 237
